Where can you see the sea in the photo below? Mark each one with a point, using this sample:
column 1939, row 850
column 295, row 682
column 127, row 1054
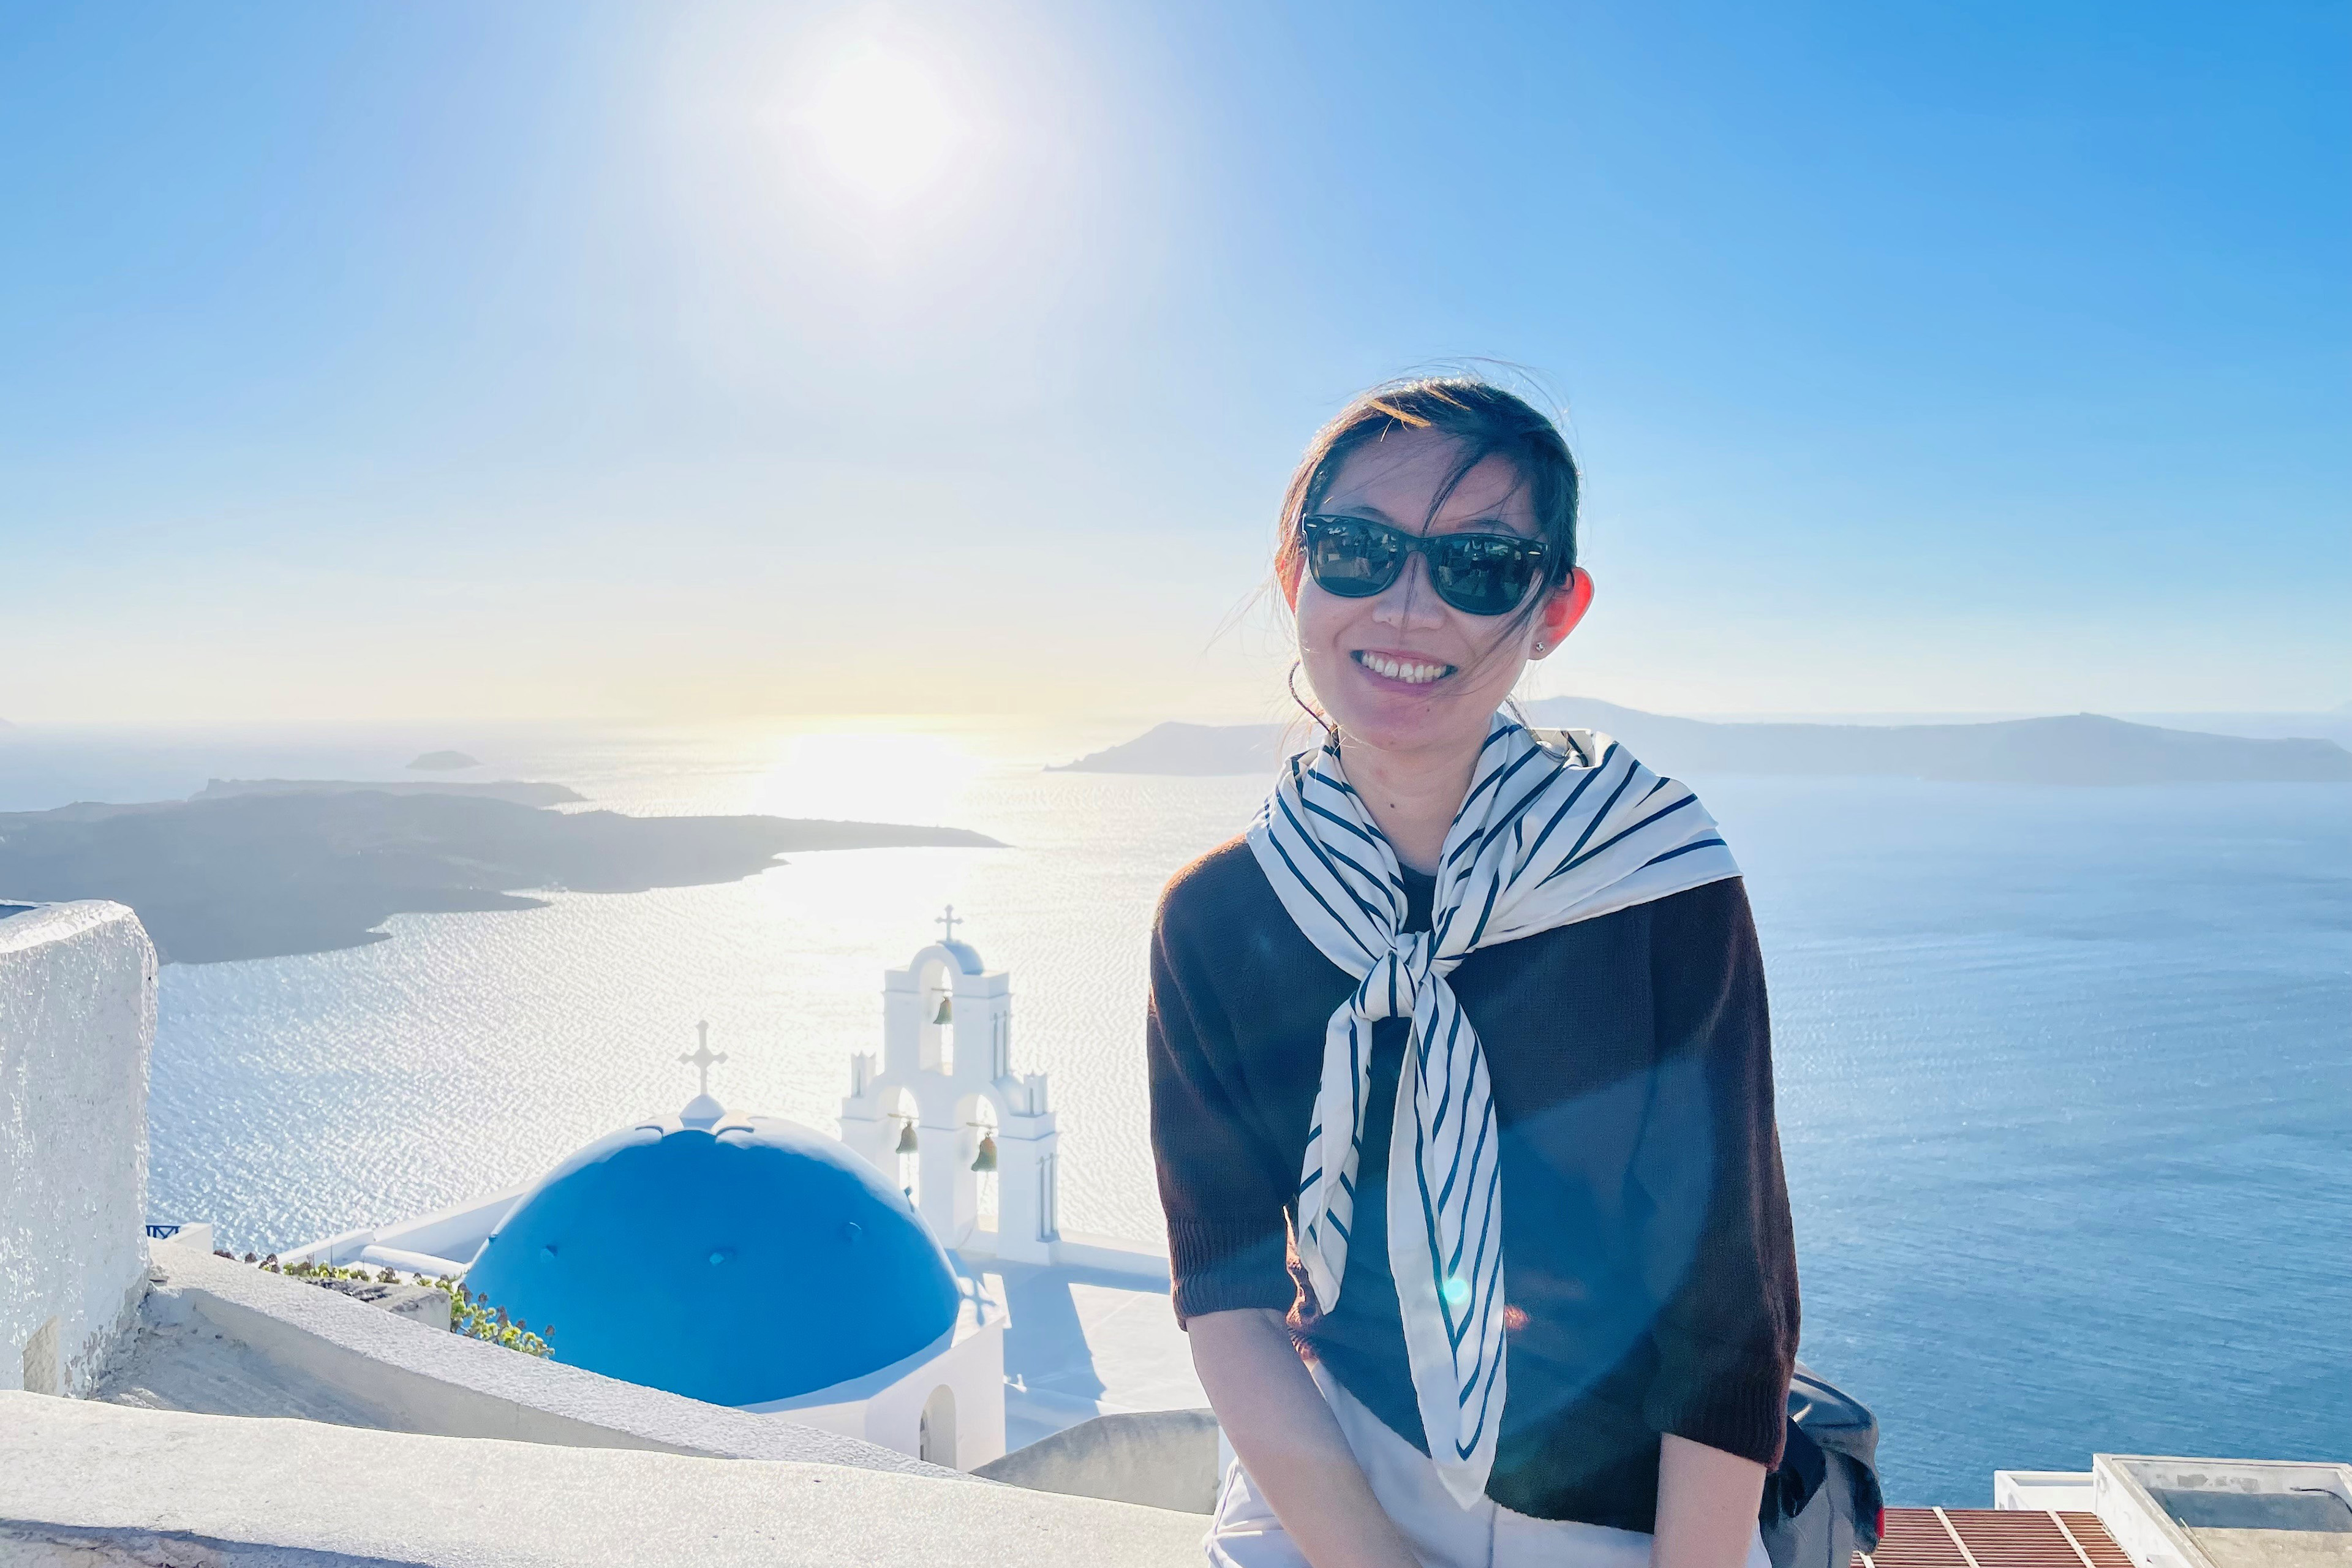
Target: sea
column 2063, row 1076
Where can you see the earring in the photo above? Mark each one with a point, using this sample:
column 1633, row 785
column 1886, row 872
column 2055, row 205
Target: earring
column 1539, row 645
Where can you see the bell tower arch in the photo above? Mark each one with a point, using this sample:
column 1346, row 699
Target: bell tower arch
column 947, row 1046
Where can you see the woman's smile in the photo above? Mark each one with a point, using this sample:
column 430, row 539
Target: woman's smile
column 1404, row 670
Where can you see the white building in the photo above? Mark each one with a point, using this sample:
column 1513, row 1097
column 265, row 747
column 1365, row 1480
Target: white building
column 745, row 1260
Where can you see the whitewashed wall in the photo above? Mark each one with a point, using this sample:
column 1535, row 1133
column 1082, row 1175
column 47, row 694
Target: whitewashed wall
column 76, row 1020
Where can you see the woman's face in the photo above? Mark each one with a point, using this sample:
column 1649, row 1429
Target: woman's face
column 1404, row 670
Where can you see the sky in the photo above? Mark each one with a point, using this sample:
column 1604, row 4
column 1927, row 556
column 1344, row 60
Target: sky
column 680, row 361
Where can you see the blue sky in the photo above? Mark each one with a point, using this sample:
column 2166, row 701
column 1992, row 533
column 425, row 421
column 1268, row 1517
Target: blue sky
column 571, row 360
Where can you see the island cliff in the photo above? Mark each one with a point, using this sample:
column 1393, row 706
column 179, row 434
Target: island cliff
column 291, row 866
column 2076, row 749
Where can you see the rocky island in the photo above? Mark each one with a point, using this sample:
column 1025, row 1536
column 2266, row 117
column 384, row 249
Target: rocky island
column 264, row 868
column 522, row 792
column 2073, row 749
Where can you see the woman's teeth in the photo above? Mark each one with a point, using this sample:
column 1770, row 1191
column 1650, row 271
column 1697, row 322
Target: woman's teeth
column 1411, row 671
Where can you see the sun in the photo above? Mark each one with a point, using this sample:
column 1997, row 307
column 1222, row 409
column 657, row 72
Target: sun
column 882, row 121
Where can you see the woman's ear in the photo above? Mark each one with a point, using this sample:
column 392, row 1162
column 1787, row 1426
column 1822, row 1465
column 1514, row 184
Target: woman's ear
column 1287, row 572
column 1562, row 610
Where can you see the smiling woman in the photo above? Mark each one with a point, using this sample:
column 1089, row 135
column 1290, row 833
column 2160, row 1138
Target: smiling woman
column 883, row 123
column 1450, row 959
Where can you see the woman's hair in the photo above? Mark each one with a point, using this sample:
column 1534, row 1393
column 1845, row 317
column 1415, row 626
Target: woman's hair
column 1485, row 421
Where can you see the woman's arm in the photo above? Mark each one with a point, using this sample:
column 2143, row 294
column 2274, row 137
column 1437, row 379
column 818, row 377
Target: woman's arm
column 1720, row 1258
column 1224, row 1195
column 1276, row 1420
column 1706, row 1506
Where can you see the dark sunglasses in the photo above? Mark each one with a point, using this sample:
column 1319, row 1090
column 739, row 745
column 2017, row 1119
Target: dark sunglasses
column 1477, row 573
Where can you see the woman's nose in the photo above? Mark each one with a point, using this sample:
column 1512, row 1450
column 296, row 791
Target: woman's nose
column 1409, row 601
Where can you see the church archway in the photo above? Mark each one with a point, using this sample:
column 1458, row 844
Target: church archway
column 935, row 998
column 977, row 1156
column 903, row 1119
column 935, row 1430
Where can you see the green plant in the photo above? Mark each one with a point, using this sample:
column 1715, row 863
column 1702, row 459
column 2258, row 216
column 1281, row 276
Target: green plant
column 320, row 1273
column 470, row 1312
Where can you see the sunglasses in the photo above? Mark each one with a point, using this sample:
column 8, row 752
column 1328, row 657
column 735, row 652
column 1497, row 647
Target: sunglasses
column 1477, row 573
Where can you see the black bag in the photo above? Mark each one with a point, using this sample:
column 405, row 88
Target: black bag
column 1822, row 1505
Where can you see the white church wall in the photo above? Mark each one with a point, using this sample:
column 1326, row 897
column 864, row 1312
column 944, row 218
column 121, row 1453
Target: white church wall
column 971, row 1370
column 886, row 1405
column 1028, row 1177
column 77, row 1022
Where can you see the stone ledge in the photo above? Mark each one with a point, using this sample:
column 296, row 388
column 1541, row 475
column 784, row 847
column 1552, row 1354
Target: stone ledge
column 1159, row 1458
column 58, row 1546
column 102, row 1481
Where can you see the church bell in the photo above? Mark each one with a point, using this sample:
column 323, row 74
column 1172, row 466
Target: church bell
column 986, row 1159
column 947, row 1011
column 907, row 1136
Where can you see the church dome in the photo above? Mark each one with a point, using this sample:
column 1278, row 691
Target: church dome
column 735, row 1260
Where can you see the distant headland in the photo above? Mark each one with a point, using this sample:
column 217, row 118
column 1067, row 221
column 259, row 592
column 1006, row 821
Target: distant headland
column 261, row 868
column 522, row 792
column 2077, row 749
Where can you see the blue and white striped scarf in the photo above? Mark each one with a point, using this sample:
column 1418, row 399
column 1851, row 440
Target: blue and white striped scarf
column 1552, row 831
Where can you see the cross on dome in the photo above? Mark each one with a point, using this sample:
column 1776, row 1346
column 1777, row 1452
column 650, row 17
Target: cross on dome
column 948, row 923
column 703, row 1058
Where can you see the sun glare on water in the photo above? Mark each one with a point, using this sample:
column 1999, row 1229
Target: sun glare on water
column 868, row 772
column 882, row 121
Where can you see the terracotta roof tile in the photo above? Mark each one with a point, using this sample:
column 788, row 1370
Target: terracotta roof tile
column 1993, row 1538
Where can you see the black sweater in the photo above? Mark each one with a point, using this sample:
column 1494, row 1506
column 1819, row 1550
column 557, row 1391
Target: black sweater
column 1649, row 1273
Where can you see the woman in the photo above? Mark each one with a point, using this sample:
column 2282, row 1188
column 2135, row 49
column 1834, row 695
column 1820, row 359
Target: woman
column 1461, row 1079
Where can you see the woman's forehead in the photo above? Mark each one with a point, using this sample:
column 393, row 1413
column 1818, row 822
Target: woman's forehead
column 1395, row 479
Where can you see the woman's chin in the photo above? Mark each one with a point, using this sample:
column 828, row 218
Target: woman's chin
column 1387, row 719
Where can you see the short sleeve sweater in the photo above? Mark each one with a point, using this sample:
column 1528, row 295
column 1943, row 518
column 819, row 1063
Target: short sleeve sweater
column 1650, row 1274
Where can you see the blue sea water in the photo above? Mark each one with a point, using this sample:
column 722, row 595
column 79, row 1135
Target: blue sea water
column 2064, row 1077
column 2066, row 1085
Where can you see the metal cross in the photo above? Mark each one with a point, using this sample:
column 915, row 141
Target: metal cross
column 703, row 1057
column 947, row 922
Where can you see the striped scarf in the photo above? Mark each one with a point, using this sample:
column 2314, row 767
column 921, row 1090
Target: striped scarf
column 1553, row 831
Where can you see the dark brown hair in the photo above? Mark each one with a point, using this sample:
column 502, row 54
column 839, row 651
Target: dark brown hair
column 1485, row 421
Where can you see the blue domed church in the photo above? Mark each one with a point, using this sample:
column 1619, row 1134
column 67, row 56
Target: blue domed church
column 750, row 1261
column 738, row 1259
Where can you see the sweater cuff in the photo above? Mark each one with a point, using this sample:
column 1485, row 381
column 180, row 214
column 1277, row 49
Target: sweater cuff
column 1747, row 1416
column 1224, row 1268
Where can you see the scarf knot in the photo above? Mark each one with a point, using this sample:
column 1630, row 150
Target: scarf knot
column 1553, row 830
column 1393, row 984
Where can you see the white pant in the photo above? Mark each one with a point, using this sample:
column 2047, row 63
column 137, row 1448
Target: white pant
column 1443, row 1534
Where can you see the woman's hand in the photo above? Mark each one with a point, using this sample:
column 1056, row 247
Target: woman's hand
column 1706, row 1506
column 1287, row 1438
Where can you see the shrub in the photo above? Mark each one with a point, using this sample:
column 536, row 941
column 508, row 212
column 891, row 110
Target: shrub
column 470, row 1312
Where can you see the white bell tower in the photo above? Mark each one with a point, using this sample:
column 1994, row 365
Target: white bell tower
column 943, row 1108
